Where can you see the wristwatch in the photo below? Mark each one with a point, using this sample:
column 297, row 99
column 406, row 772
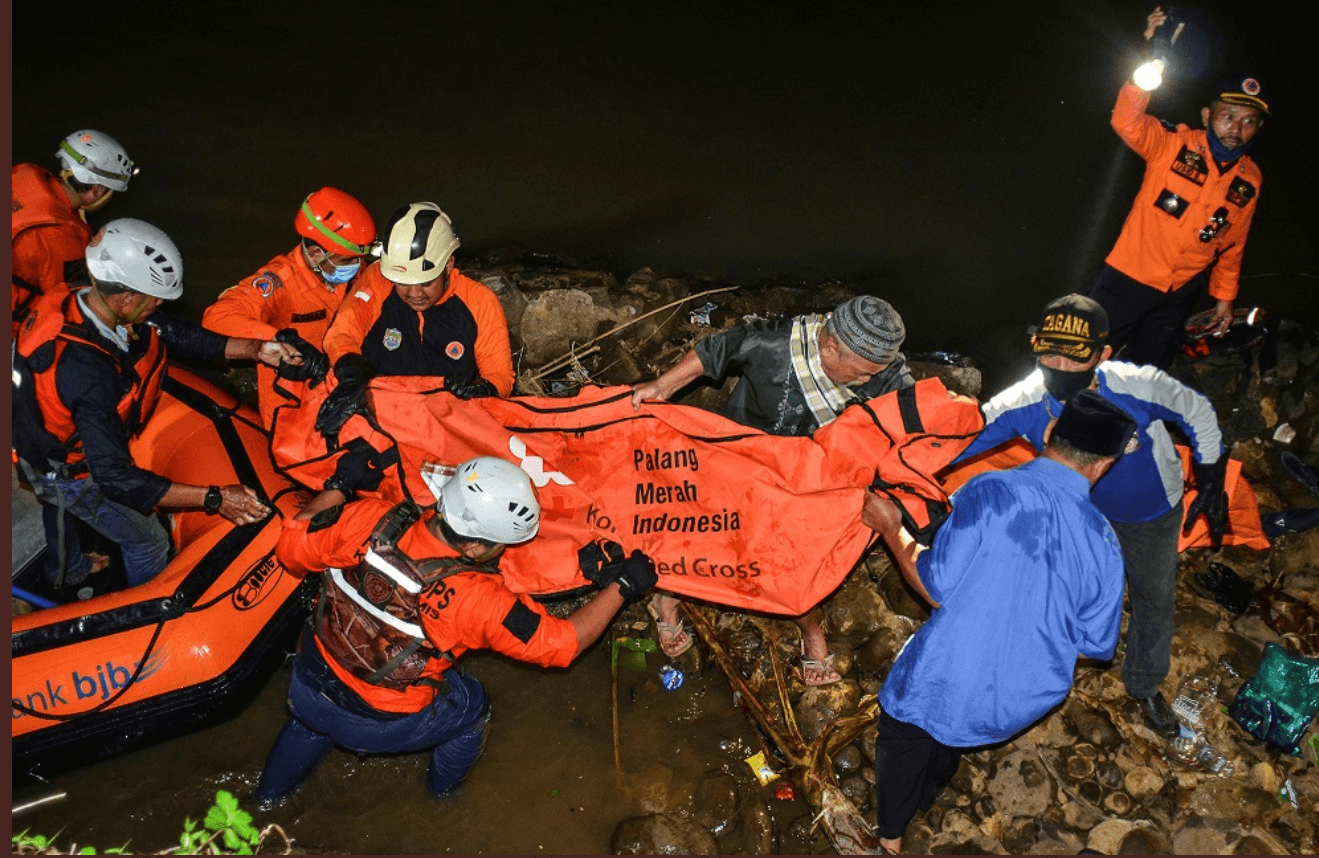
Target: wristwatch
column 213, row 500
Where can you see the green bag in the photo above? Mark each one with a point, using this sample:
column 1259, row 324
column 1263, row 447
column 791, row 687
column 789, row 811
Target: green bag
column 1279, row 703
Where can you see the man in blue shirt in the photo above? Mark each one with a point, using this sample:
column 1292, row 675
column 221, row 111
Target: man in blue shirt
column 1142, row 497
column 1025, row 575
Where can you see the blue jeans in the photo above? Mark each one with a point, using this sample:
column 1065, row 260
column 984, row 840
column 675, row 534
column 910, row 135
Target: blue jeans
column 1149, row 551
column 326, row 713
column 142, row 539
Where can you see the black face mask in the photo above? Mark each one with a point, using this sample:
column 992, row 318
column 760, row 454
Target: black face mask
column 1062, row 383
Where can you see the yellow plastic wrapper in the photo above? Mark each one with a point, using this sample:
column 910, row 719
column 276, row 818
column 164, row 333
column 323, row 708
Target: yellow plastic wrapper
column 764, row 773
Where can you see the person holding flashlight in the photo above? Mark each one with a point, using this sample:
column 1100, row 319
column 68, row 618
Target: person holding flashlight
column 1191, row 217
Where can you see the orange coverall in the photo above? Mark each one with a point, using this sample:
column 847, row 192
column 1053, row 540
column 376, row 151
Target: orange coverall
column 285, row 293
column 1160, row 243
column 360, row 318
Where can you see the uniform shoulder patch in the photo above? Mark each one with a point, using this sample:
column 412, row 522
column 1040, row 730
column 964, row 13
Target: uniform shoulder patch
column 521, row 622
column 266, row 283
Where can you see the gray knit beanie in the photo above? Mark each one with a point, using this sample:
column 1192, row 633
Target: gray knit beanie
column 870, row 327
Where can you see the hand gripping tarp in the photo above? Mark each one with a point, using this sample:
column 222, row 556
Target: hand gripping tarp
column 730, row 514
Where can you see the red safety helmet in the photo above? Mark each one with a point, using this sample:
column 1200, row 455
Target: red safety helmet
column 337, row 221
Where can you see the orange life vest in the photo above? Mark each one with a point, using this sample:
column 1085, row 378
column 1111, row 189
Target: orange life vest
column 367, row 616
column 42, row 343
column 39, row 200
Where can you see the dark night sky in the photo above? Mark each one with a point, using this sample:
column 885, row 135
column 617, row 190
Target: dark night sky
column 953, row 158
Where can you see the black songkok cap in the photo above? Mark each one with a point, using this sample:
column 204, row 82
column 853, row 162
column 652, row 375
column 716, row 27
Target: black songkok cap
column 1092, row 424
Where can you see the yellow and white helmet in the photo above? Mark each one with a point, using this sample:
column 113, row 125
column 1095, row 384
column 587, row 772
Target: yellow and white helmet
column 418, row 243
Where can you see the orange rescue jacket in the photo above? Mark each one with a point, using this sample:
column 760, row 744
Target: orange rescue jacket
column 1160, row 244
column 285, row 293
column 49, row 240
column 45, row 338
column 361, row 308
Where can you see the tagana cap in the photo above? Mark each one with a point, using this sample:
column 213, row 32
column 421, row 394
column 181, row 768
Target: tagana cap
column 1242, row 89
column 1073, row 326
column 870, row 327
column 1092, row 424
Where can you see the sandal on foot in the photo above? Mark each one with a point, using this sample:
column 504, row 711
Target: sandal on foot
column 824, row 667
column 674, row 640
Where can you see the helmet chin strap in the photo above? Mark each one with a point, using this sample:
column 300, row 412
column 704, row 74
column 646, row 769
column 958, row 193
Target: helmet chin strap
column 457, row 543
column 99, row 203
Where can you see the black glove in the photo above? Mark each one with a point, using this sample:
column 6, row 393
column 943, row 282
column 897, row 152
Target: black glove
column 600, row 561
column 1210, row 499
column 314, row 364
column 1228, row 588
column 636, row 575
column 348, row 398
column 357, row 470
column 472, row 388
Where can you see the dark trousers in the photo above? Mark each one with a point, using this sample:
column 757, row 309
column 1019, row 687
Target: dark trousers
column 326, row 713
column 1149, row 552
column 1144, row 324
column 911, row 766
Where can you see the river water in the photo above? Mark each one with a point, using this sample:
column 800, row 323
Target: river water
column 955, row 159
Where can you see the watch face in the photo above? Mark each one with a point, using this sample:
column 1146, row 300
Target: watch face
column 213, row 499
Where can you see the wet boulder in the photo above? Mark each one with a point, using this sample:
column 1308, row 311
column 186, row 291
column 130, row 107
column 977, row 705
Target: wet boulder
column 819, row 707
column 1021, row 786
column 661, row 834
column 1144, row 840
column 716, row 803
column 1205, row 836
column 558, row 320
column 1092, row 725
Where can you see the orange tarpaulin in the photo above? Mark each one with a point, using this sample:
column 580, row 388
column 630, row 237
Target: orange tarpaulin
column 1243, row 521
column 730, row 514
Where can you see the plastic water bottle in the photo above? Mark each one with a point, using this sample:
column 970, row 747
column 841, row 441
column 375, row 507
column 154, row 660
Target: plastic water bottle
column 1212, row 761
column 1195, row 695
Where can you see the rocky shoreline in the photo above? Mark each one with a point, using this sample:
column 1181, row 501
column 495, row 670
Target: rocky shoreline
column 1090, row 775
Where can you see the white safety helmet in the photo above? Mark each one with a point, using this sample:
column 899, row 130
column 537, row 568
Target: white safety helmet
column 96, row 158
column 490, row 499
column 133, row 253
column 418, row 242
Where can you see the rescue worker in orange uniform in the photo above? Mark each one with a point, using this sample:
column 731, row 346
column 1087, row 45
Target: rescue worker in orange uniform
column 414, row 313
column 1190, row 218
column 86, row 378
column 294, row 296
column 407, row 592
column 49, row 225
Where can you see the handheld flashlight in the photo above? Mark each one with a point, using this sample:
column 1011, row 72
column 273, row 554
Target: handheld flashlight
column 1150, row 74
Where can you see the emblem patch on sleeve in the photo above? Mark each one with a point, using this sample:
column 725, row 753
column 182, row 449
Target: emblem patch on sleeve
column 266, row 283
column 455, row 350
column 521, row 622
column 392, row 339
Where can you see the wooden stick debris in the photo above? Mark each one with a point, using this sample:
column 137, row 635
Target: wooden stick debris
column 564, row 360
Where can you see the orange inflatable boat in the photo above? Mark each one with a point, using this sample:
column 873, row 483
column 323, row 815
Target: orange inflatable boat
column 95, row 678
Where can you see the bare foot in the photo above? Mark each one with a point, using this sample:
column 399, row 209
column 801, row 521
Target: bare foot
column 814, row 645
column 891, row 847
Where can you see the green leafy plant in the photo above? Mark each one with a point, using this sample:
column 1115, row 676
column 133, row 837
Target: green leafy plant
column 226, row 830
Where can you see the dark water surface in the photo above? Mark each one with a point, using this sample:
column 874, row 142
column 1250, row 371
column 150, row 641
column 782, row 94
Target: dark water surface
column 954, row 158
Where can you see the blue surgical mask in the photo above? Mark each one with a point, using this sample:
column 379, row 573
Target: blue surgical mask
column 342, row 273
